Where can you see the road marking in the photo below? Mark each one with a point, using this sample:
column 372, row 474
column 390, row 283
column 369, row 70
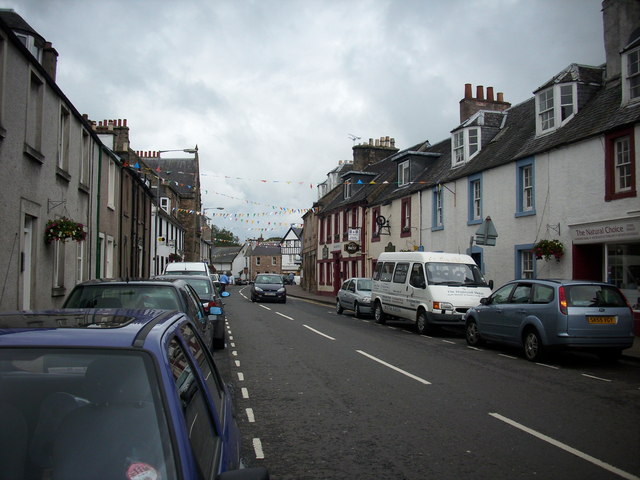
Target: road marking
column 596, row 378
column 245, row 392
column 240, row 376
column 283, row 315
column 250, row 417
column 230, row 338
column 548, row 366
column 232, row 345
column 382, row 362
column 257, row 447
column 262, row 306
column 508, row 356
column 474, row 348
column 234, row 353
column 237, row 363
column 449, row 341
column 566, row 448
column 319, row 333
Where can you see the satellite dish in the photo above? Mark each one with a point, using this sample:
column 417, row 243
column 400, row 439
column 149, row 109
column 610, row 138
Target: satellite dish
column 380, row 220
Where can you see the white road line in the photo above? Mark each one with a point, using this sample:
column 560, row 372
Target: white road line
column 250, row 417
column 508, row 356
column 230, row 337
column 319, row 333
column 237, row 363
column 234, row 353
column 240, row 377
column 567, row 448
column 245, row 392
column 283, row 315
column 548, row 366
column 474, row 348
column 262, row 306
column 449, row 341
column 232, row 345
column 257, row 448
column 382, row 362
column 596, row 378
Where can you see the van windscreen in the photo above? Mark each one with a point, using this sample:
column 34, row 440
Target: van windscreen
column 454, row 274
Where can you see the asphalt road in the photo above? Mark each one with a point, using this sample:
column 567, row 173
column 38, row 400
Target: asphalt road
column 326, row 396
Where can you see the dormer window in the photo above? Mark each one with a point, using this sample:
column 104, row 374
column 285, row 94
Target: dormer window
column 347, row 189
column 554, row 107
column 403, row 173
column 465, row 144
column 631, row 76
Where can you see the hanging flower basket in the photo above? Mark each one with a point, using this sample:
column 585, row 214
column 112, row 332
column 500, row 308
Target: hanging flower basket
column 62, row 228
column 549, row 249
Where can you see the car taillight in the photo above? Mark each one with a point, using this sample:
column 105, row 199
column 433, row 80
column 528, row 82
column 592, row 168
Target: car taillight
column 562, row 301
column 212, row 303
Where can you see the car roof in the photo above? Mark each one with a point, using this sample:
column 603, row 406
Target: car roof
column 131, row 281
column 184, row 277
column 88, row 327
column 561, row 281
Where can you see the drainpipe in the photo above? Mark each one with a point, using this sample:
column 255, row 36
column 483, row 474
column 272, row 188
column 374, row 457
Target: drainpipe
column 98, row 239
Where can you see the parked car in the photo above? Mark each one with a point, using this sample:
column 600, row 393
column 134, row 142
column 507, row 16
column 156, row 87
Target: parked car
column 113, row 393
column 169, row 294
column 186, row 268
column 268, row 286
column 205, row 287
column 355, row 294
column 540, row 315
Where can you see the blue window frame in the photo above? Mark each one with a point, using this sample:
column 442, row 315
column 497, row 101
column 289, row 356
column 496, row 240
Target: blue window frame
column 525, row 187
column 474, row 215
column 437, row 210
column 525, row 261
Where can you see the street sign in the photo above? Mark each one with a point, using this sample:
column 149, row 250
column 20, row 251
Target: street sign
column 487, row 233
column 351, row 247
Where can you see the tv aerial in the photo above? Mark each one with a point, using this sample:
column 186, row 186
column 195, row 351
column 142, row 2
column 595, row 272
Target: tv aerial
column 353, row 137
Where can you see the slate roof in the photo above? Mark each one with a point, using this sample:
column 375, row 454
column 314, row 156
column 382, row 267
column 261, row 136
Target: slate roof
column 180, row 173
column 600, row 113
column 266, row 250
column 224, row 254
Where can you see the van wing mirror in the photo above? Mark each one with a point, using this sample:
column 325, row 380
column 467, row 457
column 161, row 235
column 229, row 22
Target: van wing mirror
column 491, row 284
column 215, row 311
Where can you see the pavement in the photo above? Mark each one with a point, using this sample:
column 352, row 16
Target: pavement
column 297, row 291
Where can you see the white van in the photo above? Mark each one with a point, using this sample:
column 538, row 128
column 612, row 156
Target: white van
column 186, row 268
column 427, row 289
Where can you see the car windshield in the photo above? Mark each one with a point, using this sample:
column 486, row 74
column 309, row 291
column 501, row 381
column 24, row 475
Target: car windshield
column 364, row 284
column 454, row 274
column 75, row 411
column 128, row 295
column 594, row 296
column 269, row 279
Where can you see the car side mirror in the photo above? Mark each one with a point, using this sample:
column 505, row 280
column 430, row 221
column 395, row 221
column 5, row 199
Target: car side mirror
column 257, row 473
column 491, row 284
column 485, row 301
column 215, row 311
column 225, row 294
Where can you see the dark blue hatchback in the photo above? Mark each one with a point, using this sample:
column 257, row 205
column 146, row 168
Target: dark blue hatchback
column 113, row 393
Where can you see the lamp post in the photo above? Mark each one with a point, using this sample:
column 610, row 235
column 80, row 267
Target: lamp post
column 156, row 259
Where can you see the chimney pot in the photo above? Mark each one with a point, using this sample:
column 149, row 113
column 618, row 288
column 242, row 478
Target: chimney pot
column 467, row 90
column 500, row 97
column 490, row 94
column 125, row 122
column 479, row 92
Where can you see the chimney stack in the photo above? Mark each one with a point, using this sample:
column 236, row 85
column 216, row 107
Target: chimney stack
column 372, row 152
column 470, row 105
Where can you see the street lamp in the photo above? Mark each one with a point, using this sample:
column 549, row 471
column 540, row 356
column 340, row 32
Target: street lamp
column 156, row 259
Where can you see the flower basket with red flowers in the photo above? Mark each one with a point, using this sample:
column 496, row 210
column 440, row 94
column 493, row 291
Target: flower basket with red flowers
column 62, row 228
column 549, row 249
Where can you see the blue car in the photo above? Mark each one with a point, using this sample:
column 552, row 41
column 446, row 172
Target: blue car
column 113, row 393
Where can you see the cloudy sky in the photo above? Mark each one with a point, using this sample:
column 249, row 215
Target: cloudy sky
column 272, row 90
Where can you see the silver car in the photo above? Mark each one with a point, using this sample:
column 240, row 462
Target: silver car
column 355, row 294
column 541, row 315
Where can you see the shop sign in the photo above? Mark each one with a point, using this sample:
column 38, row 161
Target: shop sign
column 353, row 235
column 610, row 231
column 351, row 247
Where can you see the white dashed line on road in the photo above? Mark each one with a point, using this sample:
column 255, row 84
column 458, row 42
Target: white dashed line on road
column 240, row 376
column 250, row 417
column 283, row 315
column 245, row 392
column 392, row 367
column 596, row 378
column 318, row 332
column 257, row 447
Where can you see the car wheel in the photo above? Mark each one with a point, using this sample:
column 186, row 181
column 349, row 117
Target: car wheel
column 339, row 308
column 253, row 298
column 533, row 348
column 472, row 334
column 378, row 314
column 356, row 311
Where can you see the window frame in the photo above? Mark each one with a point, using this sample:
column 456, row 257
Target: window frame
column 404, row 173
column 405, row 215
column 437, row 209
column 550, row 117
column 474, row 207
column 375, row 228
column 629, row 77
column 611, row 179
column 520, row 251
column 521, row 189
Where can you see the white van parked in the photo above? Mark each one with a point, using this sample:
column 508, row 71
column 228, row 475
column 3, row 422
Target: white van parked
column 428, row 289
column 186, row 268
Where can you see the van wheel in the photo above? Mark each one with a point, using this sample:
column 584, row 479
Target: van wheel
column 532, row 344
column 422, row 323
column 339, row 308
column 379, row 315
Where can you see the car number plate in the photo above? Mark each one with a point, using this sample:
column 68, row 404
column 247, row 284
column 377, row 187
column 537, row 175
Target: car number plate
column 271, row 294
column 602, row 320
